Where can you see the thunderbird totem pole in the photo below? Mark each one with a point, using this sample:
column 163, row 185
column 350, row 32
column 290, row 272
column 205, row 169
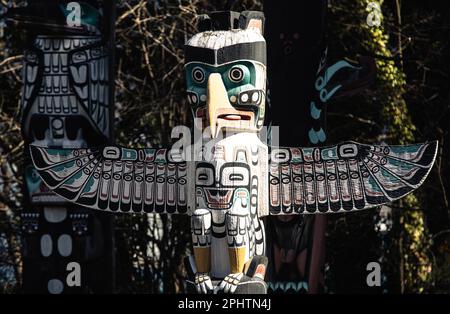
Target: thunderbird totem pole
column 67, row 102
column 229, row 184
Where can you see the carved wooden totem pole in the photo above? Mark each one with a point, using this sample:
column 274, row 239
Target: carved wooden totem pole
column 67, row 103
column 233, row 179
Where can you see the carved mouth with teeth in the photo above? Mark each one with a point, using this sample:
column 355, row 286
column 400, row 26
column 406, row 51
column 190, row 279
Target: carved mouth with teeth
column 219, row 198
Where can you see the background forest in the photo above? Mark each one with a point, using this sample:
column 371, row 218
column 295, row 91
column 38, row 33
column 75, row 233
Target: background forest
column 409, row 102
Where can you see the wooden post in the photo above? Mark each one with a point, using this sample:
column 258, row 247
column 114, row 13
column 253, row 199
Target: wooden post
column 67, row 248
column 296, row 51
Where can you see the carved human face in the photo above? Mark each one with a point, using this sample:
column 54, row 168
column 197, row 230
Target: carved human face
column 226, row 82
column 226, row 96
column 222, row 187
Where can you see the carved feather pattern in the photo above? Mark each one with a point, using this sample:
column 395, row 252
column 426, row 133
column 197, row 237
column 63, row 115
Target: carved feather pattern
column 115, row 179
column 346, row 177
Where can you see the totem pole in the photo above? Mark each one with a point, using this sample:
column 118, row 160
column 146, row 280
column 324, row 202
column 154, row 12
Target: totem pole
column 233, row 180
column 67, row 102
column 300, row 83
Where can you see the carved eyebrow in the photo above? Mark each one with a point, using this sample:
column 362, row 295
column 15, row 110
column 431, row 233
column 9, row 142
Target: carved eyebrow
column 236, row 176
column 255, row 51
column 202, row 176
column 239, row 170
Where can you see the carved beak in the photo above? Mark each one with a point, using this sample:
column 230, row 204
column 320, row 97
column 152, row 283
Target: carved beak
column 217, row 99
column 220, row 112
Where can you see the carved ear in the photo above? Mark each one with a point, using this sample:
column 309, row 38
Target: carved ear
column 228, row 20
column 224, row 20
column 204, row 23
column 252, row 19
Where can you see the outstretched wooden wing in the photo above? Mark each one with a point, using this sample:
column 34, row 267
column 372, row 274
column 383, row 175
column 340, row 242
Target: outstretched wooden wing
column 346, row 177
column 116, row 179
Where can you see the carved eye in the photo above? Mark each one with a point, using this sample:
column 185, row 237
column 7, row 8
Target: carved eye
column 96, row 52
column 198, row 75
column 31, row 57
column 79, row 57
column 236, row 74
column 236, row 177
column 34, row 175
column 204, row 176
